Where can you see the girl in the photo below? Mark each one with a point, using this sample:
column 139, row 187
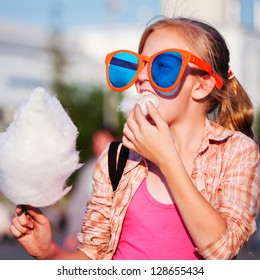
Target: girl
column 190, row 188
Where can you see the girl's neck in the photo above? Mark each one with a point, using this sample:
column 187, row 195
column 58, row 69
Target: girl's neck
column 188, row 135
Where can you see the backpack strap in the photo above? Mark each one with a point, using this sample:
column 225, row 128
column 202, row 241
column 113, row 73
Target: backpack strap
column 115, row 168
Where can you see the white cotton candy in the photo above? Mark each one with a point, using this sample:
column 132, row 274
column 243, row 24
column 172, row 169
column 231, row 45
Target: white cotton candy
column 38, row 152
column 129, row 101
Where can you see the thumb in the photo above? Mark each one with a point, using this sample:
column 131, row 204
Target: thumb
column 36, row 214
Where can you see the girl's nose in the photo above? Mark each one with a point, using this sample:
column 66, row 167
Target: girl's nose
column 143, row 75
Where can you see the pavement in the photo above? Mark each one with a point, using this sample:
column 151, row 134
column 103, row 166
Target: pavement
column 12, row 250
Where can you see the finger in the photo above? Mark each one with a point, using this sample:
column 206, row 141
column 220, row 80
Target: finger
column 23, row 229
column 130, row 130
column 137, row 122
column 131, row 114
column 15, row 232
column 24, row 220
column 131, row 121
column 36, row 215
column 33, row 215
column 154, row 114
column 19, row 210
column 128, row 144
column 21, row 222
column 139, row 116
column 128, row 133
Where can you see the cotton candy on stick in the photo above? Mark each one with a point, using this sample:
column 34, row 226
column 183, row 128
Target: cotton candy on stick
column 38, row 152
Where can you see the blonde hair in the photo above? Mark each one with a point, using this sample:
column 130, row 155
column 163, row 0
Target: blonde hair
column 232, row 104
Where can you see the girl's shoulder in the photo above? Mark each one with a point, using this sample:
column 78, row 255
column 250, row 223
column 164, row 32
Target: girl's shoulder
column 231, row 141
column 218, row 132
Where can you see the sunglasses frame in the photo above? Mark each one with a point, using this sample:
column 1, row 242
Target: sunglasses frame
column 143, row 60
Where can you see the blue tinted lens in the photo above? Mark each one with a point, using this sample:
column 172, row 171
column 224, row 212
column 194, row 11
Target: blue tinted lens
column 122, row 69
column 166, row 68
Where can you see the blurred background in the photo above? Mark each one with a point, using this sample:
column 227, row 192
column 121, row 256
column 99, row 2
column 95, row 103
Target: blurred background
column 61, row 45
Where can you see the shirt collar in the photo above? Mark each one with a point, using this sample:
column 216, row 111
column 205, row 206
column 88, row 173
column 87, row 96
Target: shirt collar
column 214, row 132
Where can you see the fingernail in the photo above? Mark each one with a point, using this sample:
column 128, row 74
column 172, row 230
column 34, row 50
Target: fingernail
column 149, row 104
column 28, row 231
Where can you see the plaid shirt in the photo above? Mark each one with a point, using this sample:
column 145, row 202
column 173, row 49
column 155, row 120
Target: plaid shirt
column 226, row 171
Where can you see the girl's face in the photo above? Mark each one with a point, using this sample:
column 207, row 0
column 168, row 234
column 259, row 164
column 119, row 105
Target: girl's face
column 176, row 107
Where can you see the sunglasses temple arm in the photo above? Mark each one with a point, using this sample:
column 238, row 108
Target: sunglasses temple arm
column 219, row 82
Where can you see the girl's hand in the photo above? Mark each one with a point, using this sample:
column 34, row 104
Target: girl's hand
column 33, row 231
column 152, row 139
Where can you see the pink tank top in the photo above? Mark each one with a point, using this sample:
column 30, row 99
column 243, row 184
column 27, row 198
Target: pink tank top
column 153, row 231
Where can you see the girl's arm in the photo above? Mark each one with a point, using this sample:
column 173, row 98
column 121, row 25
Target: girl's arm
column 205, row 224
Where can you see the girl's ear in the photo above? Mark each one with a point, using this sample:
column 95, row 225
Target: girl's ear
column 203, row 87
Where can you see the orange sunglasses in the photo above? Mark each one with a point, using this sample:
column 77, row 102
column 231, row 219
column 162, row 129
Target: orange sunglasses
column 165, row 68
